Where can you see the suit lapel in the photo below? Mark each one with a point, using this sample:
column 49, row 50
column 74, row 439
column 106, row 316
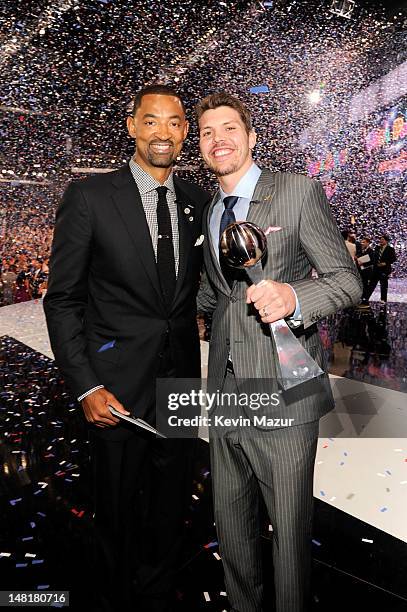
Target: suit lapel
column 259, row 210
column 128, row 202
column 185, row 211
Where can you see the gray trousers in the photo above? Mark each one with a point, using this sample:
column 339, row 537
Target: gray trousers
column 279, row 465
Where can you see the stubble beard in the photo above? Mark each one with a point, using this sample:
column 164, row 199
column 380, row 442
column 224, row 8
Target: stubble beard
column 160, row 161
column 223, row 171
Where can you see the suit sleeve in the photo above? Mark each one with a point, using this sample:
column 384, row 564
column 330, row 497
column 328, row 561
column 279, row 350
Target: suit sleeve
column 392, row 256
column 338, row 284
column 206, row 298
column 66, row 299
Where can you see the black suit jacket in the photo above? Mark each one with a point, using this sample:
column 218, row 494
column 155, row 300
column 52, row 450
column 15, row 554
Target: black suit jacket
column 106, row 317
column 388, row 257
column 366, row 267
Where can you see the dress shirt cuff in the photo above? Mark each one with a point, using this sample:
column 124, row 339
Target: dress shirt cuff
column 296, row 316
column 81, row 397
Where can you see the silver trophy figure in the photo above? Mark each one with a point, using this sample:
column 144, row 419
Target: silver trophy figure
column 243, row 245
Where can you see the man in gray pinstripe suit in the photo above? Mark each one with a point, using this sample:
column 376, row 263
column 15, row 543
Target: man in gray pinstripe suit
column 276, row 463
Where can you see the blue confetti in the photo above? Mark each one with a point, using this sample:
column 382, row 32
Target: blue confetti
column 211, row 544
column 259, row 89
column 316, row 543
column 384, row 509
column 107, row 346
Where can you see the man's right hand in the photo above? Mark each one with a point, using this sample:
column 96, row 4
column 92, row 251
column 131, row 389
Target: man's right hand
column 95, row 408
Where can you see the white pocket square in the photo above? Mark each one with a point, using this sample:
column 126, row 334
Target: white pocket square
column 272, row 228
column 199, row 240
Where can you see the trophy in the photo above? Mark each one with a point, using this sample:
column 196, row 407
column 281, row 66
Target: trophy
column 243, row 245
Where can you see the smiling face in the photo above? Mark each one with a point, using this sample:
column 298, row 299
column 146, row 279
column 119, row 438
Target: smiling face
column 226, row 145
column 159, row 128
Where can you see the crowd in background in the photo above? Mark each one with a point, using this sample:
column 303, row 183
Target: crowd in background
column 26, row 228
column 27, row 216
column 271, row 59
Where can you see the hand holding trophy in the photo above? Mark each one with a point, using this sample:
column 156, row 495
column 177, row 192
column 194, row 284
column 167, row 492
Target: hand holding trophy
column 243, row 245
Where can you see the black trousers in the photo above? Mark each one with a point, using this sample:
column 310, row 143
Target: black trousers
column 141, row 490
column 366, row 276
column 383, row 278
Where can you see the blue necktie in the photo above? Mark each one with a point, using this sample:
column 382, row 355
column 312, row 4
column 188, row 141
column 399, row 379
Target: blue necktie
column 228, row 215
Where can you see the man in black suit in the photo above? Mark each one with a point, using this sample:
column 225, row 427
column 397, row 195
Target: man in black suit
column 384, row 257
column 365, row 259
column 121, row 312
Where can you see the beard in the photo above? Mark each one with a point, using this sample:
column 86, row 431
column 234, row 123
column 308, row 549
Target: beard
column 233, row 167
column 160, row 160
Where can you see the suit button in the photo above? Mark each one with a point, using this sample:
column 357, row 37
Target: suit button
column 161, row 355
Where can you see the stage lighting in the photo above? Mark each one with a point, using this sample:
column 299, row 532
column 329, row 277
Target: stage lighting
column 314, row 96
column 342, row 8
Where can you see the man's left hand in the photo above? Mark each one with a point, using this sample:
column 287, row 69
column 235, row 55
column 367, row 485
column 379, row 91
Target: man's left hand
column 273, row 300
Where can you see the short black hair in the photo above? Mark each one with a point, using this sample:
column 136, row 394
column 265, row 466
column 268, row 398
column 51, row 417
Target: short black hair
column 385, row 236
column 158, row 89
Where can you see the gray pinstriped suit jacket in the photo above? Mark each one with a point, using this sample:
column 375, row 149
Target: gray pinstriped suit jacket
column 309, row 238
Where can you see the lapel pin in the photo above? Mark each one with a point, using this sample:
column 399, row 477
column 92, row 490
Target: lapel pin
column 199, row 240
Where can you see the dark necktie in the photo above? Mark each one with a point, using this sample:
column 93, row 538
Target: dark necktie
column 228, row 217
column 165, row 248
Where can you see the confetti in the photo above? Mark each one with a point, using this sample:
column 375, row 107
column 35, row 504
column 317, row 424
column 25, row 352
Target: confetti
column 211, row 544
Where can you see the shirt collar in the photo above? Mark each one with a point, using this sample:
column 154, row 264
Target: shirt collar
column 146, row 182
column 247, row 184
